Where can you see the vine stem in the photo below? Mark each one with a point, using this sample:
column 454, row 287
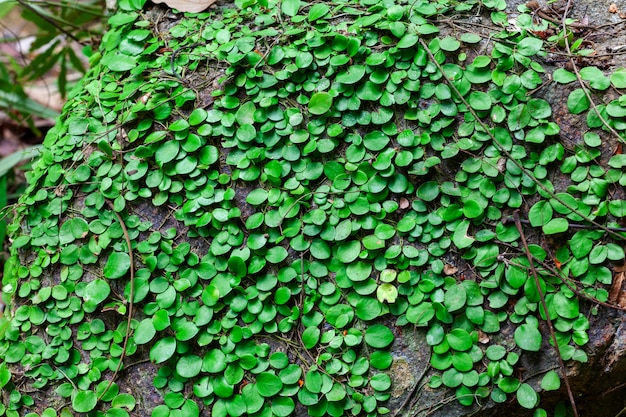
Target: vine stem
column 531, row 262
column 131, row 297
column 502, row 149
column 578, row 76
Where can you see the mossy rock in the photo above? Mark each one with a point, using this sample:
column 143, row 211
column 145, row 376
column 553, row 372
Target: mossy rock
column 290, row 209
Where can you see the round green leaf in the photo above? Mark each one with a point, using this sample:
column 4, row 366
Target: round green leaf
column 378, row 336
column 144, row 332
column 479, row 100
column 163, row 349
column 268, row 384
column 189, row 366
column 381, row 359
column 320, row 103
column 459, row 340
column 551, row 381
column 527, row 397
column 214, row 361
column 84, row 401
column 455, row 298
column 556, row 225
column 117, row 265
column 577, row 101
column 528, row 337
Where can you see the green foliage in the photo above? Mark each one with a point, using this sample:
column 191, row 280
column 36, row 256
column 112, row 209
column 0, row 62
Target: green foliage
column 315, row 204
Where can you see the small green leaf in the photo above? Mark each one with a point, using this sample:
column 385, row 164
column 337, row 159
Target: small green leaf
column 618, row 78
column 459, row 340
column 310, row 337
column 557, row 225
column 84, row 401
column 214, row 361
column 318, row 11
column 378, row 336
column 189, row 366
column 528, row 337
column 563, row 76
column 144, row 332
column 117, row 265
column 163, row 349
column 455, row 298
column 320, row 103
column 290, row 7
column 551, row 381
column 577, row 101
column 529, row 46
column 387, row 293
column 449, row 44
column 527, row 397
column 268, row 384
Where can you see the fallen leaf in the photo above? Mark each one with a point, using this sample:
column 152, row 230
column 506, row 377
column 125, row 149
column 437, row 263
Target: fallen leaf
column 613, row 8
column 450, row 269
column 191, row 6
column 616, row 287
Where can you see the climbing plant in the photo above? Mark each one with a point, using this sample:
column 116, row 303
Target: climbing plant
column 253, row 198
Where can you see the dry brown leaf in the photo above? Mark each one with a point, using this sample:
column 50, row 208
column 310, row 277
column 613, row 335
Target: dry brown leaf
column 450, row 269
column 613, row 8
column 191, row 6
column 616, row 287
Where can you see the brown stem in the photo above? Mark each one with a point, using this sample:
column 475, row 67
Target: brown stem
column 518, row 224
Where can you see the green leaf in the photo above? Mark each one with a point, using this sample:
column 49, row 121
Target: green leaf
column 529, row 46
column 121, row 62
column 551, row 381
column 117, row 265
column 480, row 100
column 268, row 384
column 528, row 337
column 310, row 337
column 124, row 400
column 408, row 40
column 163, row 349
column 368, row 308
column 318, row 11
column 381, row 360
column 144, row 332
column 257, row 196
column 449, row 44
column 84, row 401
column 577, row 101
column 290, row 7
column 618, row 78
column 378, row 336
column 527, row 397
column 359, row 271
column 96, row 292
column 189, row 366
column 282, row 406
column 557, row 225
column 459, row 340
column 387, row 293
column 540, row 213
column 349, row 251
column 563, row 76
column 214, row 361
column 320, row 103
column 455, row 298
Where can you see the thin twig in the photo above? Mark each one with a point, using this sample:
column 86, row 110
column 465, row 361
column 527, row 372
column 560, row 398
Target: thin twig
column 131, row 297
column 570, row 394
column 502, row 149
column 580, row 80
